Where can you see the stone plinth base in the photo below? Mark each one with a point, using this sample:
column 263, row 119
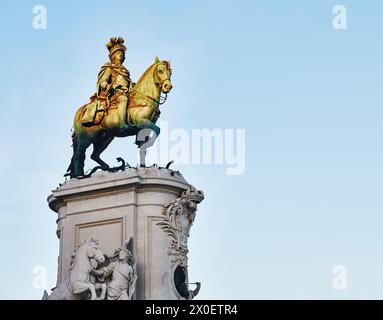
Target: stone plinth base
column 155, row 207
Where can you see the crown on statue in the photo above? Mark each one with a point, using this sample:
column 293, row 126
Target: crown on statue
column 115, row 44
column 193, row 195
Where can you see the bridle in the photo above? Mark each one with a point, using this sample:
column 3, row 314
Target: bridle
column 98, row 256
column 161, row 100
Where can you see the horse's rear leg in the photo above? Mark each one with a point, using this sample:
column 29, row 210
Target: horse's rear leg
column 98, row 147
column 79, row 157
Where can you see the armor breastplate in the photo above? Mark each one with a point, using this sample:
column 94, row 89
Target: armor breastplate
column 120, row 76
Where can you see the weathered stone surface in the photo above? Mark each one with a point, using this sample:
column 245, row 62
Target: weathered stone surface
column 114, row 207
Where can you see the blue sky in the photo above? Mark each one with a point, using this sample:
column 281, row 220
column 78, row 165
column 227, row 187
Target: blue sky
column 309, row 98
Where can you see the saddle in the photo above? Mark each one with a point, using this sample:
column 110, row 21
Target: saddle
column 94, row 111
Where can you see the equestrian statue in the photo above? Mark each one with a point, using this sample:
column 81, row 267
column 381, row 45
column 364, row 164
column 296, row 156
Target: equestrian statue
column 119, row 108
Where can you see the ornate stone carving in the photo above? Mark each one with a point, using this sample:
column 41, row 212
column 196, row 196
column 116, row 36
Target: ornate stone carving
column 120, row 275
column 79, row 282
column 115, row 276
column 178, row 217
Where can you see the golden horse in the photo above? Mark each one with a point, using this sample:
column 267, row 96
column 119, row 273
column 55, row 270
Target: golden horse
column 143, row 112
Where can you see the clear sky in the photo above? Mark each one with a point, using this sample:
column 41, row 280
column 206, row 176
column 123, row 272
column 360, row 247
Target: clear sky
column 308, row 96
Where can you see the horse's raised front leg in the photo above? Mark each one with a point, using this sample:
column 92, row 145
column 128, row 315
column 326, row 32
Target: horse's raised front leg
column 142, row 135
column 103, row 291
column 145, row 123
column 92, row 290
column 98, row 147
column 145, row 138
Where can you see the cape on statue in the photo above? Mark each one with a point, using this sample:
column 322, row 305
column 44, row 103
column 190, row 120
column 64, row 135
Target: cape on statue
column 142, row 113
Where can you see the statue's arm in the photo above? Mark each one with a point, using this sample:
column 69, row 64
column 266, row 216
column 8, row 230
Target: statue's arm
column 103, row 80
column 123, row 87
column 109, row 268
column 97, row 273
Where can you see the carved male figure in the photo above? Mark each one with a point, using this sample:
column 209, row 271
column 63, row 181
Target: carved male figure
column 123, row 275
column 113, row 84
column 114, row 79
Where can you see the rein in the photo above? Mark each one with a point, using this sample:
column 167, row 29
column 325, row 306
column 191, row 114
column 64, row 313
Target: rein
column 161, row 99
column 159, row 102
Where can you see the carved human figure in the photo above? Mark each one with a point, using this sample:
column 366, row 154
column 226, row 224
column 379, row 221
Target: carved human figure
column 113, row 86
column 122, row 275
column 114, row 79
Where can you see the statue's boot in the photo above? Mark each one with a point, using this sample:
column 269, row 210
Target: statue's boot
column 124, row 126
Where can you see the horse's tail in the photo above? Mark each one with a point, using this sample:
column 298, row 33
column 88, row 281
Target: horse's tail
column 74, row 145
column 45, row 295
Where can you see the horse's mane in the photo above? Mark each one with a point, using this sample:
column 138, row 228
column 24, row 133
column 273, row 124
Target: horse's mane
column 143, row 76
column 150, row 69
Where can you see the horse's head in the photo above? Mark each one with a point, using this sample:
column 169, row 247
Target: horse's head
column 93, row 251
column 162, row 73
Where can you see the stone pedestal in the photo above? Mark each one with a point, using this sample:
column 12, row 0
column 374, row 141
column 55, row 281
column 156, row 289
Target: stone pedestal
column 155, row 207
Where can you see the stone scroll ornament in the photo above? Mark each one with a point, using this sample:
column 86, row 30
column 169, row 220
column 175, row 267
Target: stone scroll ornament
column 178, row 217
